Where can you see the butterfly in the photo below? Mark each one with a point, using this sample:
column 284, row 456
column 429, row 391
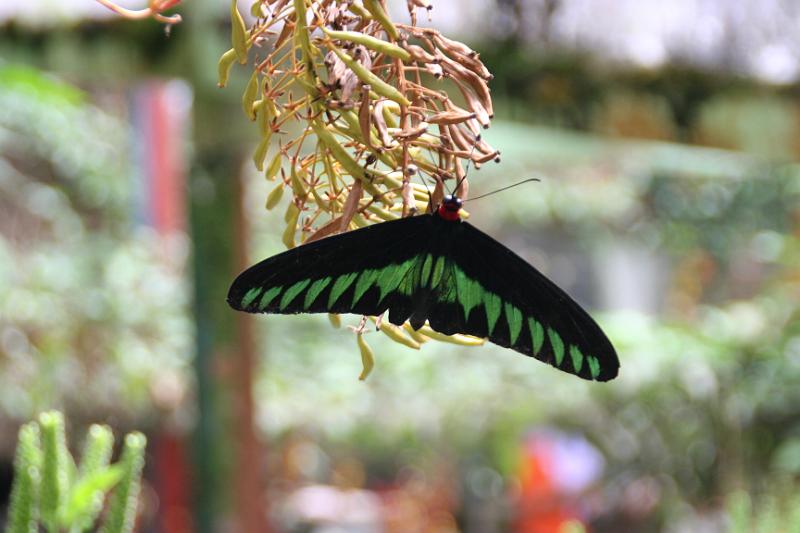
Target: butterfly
column 437, row 268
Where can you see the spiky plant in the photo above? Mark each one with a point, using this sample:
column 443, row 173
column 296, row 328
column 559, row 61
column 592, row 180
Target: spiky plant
column 52, row 492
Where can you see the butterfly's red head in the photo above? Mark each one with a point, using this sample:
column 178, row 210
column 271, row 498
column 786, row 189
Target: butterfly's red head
column 449, row 208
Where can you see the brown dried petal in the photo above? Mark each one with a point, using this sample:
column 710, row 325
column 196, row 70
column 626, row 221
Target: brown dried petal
column 380, row 124
column 412, row 133
column 419, row 54
column 364, row 117
column 329, row 228
column 351, row 204
column 451, row 117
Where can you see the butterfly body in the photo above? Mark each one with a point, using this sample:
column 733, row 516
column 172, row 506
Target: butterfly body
column 438, row 268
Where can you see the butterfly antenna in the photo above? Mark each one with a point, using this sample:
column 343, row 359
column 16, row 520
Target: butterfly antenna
column 503, row 189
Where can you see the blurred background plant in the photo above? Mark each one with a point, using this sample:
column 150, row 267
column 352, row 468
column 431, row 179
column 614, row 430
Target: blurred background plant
column 668, row 205
column 51, row 491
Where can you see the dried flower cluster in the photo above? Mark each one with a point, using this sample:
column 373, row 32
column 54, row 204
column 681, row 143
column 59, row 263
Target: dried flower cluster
column 370, row 95
column 375, row 134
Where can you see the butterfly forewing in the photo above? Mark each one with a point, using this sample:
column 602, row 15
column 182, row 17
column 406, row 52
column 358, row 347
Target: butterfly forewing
column 362, row 272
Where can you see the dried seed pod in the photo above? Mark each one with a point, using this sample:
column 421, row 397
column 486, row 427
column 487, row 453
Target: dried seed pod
column 458, row 338
column 451, row 116
column 298, row 186
column 238, row 34
column 481, row 115
column 472, row 62
column 274, row 166
column 367, row 357
column 451, row 45
column 419, row 54
column 379, row 120
column 249, row 96
column 474, row 127
column 378, row 85
column 476, row 82
column 351, row 204
column 291, row 217
column 414, row 334
column 411, row 133
column 274, row 196
column 460, row 140
column 224, row 67
column 397, row 335
column 260, row 153
column 493, row 156
column 373, row 43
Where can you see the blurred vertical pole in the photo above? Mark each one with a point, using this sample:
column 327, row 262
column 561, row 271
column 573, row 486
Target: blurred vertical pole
column 159, row 116
column 250, row 501
column 211, row 217
column 227, row 456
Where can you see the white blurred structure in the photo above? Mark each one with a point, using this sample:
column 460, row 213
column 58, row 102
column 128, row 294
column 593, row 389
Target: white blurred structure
column 755, row 37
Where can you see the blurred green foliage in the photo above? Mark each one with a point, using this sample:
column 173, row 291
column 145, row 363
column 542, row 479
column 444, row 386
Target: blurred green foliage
column 93, row 314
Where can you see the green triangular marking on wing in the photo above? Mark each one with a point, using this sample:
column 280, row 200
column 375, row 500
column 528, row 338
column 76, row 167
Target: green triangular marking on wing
column 493, row 305
column 514, row 319
column 469, row 292
column 577, row 358
column 250, row 296
column 594, row 366
column 558, row 345
column 408, row 283
column 392, row 275
column 315, row 290
column 438, row 271
column 426, row 270
column 341, row 284
column 270, row 295
column 537, row 335
column 292, row 292
column 365, row 281
column 447, row 286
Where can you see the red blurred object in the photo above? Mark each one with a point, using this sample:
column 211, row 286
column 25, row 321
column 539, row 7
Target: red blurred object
column 556, row 469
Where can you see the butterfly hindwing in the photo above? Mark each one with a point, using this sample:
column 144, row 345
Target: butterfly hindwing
column 496, row 294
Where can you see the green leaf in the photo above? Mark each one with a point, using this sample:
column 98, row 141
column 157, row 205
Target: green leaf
column 122, row 508
column 85, row 500
column 23, row 509
column 54, row 468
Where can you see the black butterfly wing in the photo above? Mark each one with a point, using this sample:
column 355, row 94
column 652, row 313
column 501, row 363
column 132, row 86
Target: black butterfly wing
column 486, row 290
column 449, row 273
column 365, row 271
